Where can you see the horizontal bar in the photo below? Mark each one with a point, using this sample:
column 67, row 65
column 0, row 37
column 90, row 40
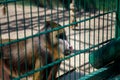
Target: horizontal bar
column 58, row 61
column 93, row 17
column 54, row 29
column 8, row 1
column 100, row 74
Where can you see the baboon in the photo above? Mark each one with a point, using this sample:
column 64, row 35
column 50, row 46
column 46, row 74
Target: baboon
column 33, row 53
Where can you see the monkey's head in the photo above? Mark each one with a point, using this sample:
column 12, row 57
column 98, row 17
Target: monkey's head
column 58, row 38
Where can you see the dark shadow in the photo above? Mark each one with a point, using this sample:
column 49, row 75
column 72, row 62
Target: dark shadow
column 87, row 5
column 29, row 22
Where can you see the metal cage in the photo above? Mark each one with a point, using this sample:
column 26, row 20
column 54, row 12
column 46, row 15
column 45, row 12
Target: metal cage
column 90, row 26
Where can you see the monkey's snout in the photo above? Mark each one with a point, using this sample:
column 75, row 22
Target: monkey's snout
column 68, row 51
column 65, row 47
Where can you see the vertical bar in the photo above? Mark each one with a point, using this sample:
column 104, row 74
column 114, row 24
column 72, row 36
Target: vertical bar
column 103, row 4
column 17, row 38
column 117, row 28
column 57, row 10
column 45, row 14
column 80, row 37
column 89, row 33
column 24, row 20
column 107, row 33
column 85, row 8
column 2, row 69
column 38, row 11
column 57, row 13
column 51, row 16
column 112, row 21
column 38, row 25
column 31, row 24
column 94, row 32
column 8, row 20
column 99, row 24
column 74, row 40
column 69, row 34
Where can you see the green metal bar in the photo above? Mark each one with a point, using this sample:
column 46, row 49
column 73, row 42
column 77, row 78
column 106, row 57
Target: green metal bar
column 24, row 20
column 57, row 22
column 45, row 5
column 8, row 1
column 63, row 13
column 111, row 27
column 31, row 23
column 69, row 33
column 17, row 38
column 0, row 50
column 51, row 17
column 98, row 23
column 94, row 31
column 61, row 27
column 58, row 61
column 8, row 26
column 100, row 74
column 74, row 46
column 38, row 25
column 89, row 37
column 107, row 19
column 55, row 29
column 103, row 20
column 117, row 30
column 80, row 37
column 85, row 6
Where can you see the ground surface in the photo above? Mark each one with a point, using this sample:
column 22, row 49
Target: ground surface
column 24, row 22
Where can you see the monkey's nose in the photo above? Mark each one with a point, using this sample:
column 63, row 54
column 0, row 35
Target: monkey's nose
column 71, row 48
column 68, row 51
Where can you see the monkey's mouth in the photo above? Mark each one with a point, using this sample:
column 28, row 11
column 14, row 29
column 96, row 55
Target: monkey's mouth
column 68, row 52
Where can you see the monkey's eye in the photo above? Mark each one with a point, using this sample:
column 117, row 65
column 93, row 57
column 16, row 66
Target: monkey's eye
column 62, row 36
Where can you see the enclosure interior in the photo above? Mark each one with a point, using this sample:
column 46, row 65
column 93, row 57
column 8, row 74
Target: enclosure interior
column 93, row 27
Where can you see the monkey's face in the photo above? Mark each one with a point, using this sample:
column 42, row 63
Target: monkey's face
column 64, row 45
column 58, row 38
